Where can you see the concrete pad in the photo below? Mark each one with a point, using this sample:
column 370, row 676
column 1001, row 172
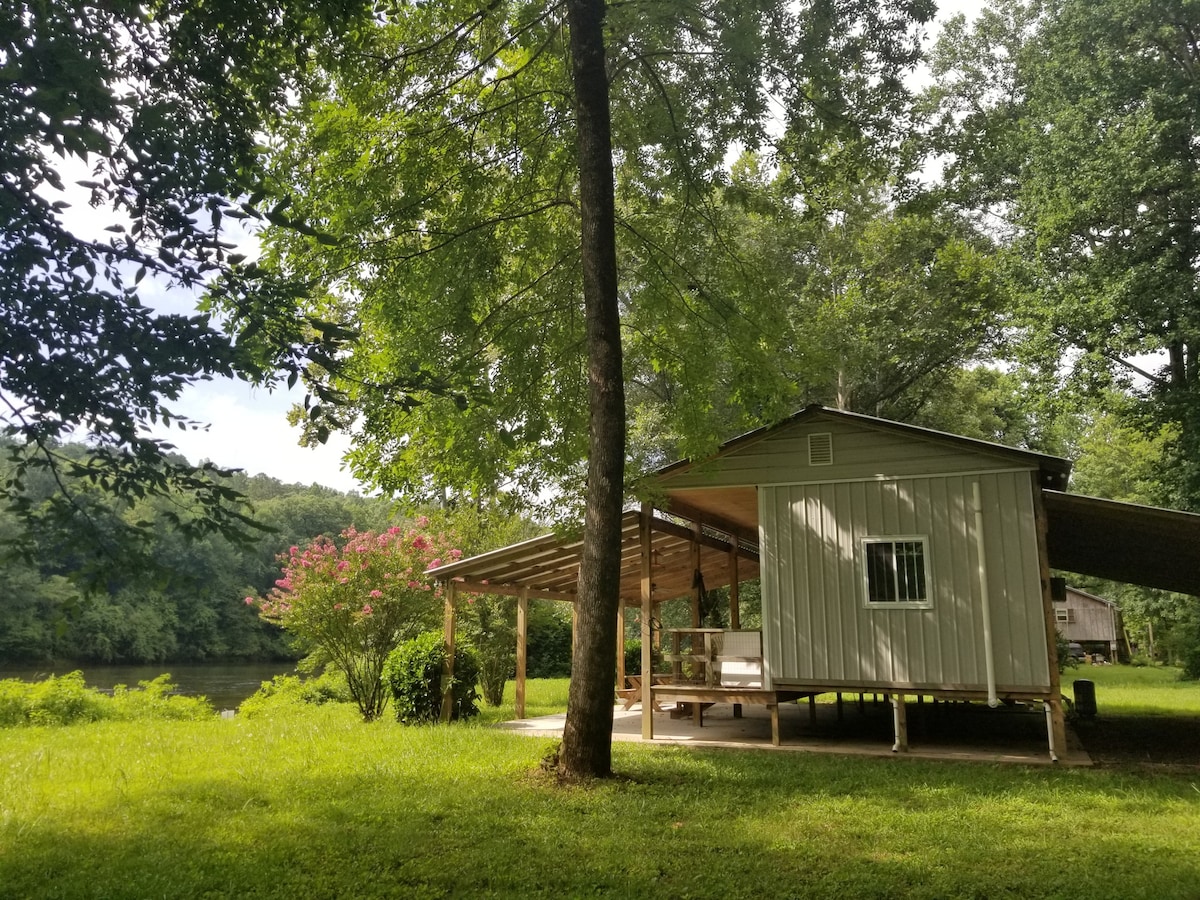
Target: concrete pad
column 949, row 731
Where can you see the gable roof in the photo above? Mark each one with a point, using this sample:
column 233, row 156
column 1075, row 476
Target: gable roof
column 1054, row 469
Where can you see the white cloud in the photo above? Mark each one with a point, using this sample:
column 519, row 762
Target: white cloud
column 248, row 429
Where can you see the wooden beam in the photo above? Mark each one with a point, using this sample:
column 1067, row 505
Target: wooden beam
column 522, row 650
column 697, row 576
column 448, row 616
column 512, row 590
column 620, row 646
column 647, row 615
column 695, row 514
column 735, row 612
column 1058, row 724
column 707, row 540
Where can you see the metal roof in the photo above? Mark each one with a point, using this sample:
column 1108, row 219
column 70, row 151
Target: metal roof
column 1145, row 545
column 1054, row 470
column 548, row 566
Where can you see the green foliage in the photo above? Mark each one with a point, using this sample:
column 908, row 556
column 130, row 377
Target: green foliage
column 548, row 651
column 288, row 692
column 492, row 631
column 59, row 606
column 432, row 173
column 413, row 677
column 355, row 603
column 1075, row 123
column 149, row 113
column 67, row 700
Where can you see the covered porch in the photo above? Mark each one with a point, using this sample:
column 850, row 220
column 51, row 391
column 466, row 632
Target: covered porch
column 662, row 559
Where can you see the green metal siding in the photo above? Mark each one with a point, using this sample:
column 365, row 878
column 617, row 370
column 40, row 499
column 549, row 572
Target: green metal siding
column 815, row 625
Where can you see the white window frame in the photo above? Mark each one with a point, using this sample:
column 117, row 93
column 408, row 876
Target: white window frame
column 925, row 602
column 1062, row 615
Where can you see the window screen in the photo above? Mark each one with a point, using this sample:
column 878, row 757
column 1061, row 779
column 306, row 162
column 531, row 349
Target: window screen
column 896, row 570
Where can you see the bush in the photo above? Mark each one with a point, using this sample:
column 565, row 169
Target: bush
column 292, row 691
column 67, row 700
column 413, row 677
column 155, row 700
column 549, row 647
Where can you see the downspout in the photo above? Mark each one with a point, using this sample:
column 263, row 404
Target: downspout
column 989, row 661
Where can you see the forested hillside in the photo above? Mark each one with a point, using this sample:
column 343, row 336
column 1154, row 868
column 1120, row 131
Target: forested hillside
column 175, row 596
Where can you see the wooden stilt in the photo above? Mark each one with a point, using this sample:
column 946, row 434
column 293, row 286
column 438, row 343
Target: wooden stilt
column 522, row 650
column 812, row 709
column 645, row 536
column 774, row 709
column 448, row 617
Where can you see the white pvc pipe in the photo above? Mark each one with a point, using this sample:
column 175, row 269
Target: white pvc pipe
column 989, row 661
column 1050, row 731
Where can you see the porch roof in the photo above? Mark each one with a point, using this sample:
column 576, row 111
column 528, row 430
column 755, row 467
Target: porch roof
column 548, row 566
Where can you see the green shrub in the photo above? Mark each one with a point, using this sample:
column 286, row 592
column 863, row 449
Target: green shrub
column 67, row 700
column 412, row 675
column 155, row 700
column 291, row 691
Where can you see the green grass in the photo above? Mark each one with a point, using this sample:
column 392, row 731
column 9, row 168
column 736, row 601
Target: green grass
column 1130, row 690
column 543, row 697
column 316, row 804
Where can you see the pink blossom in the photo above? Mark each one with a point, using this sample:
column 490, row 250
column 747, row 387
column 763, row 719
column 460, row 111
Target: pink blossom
column 343, row 580
column 376, row 594
column 395, row 529
column 249, row 601
column 422, row 521
column 293, row 550
column 367, row 609
column 342, row 565
column 435, row 563
column 337, row 606
column 456, row 554
column 283, row 583
column 419, row 543
column 413, row 585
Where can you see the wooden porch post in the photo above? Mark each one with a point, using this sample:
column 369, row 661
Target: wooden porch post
column 695, row 570
column 644, row 537
column 621, row 644
column 448, row 617
column 735, row 613
column 522, row 649
column 1058, row 725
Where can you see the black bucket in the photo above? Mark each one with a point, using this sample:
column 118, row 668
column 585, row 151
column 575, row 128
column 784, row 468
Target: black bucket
column 1085, row 697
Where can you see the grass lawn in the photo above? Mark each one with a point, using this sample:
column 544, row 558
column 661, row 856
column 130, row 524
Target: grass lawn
column 317, row 804
column 1130, row 690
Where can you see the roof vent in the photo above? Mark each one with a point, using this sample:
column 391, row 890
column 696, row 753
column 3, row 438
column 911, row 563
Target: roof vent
column 820, row 449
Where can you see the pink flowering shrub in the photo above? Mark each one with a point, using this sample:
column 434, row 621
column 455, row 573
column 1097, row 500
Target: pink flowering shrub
column 356, row 602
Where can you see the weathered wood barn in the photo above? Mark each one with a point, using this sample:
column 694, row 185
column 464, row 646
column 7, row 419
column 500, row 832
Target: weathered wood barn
column 1088, row 620
column 893, row 559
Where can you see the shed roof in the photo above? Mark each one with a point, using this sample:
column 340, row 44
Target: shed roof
column 1144, row 545
column 548, row 566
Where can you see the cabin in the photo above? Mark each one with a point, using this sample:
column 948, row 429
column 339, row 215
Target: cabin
column 893, row 560
column 1090, row 621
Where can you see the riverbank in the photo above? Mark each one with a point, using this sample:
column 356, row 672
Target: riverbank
column 224, row 684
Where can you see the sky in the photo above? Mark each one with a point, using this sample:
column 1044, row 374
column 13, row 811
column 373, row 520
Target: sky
column 246, row 426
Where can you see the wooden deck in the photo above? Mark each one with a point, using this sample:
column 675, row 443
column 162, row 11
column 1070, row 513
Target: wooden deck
column 692, row 699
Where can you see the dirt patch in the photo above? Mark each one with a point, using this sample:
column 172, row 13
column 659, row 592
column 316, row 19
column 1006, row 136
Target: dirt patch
column 1168, row 741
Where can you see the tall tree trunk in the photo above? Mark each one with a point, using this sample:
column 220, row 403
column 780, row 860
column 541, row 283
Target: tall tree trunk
column 587, row 737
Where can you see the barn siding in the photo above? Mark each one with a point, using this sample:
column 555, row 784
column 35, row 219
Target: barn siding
column 815, row 626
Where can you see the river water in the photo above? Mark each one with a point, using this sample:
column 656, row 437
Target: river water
column 224, row 684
